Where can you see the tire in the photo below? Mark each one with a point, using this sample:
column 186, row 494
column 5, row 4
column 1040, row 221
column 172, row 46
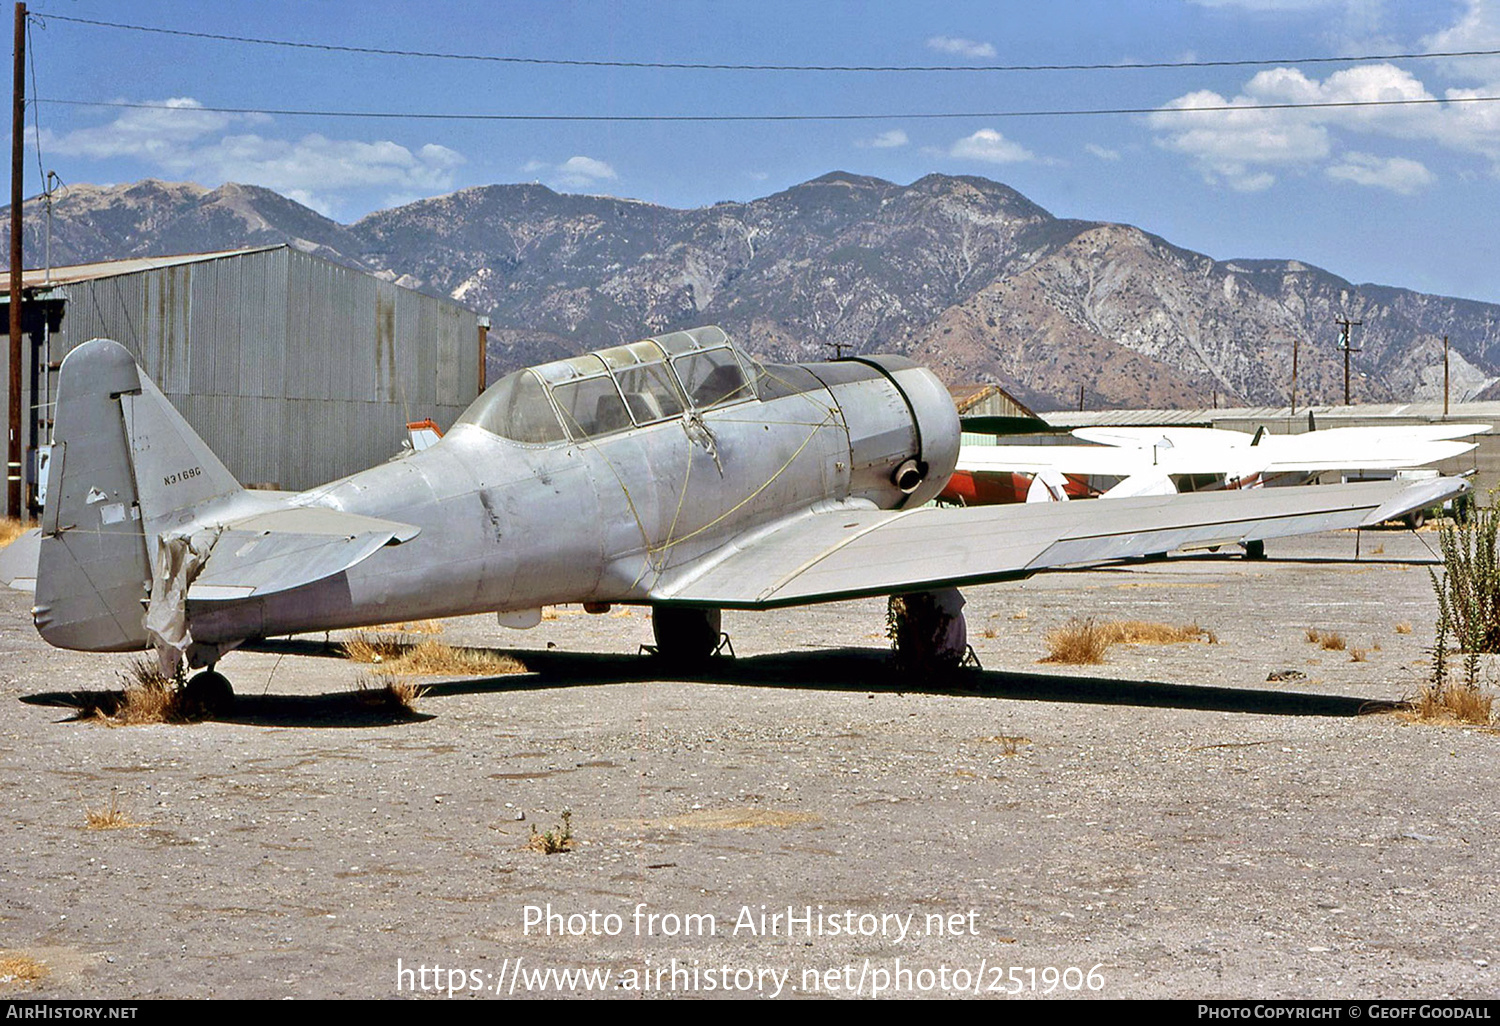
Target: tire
column 210, row 693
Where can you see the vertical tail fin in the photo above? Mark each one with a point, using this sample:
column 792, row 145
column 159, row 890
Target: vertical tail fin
column 126, row 467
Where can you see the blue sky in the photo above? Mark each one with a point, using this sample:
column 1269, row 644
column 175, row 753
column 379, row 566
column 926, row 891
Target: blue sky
column 1400, row 196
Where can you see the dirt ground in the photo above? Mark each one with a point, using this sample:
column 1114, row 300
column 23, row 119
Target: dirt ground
column 1169, row 824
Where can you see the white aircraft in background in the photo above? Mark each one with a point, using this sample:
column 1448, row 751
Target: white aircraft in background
column 1126, row 462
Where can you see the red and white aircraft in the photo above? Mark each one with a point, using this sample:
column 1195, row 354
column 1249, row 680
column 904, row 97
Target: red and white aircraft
column 1128, row 461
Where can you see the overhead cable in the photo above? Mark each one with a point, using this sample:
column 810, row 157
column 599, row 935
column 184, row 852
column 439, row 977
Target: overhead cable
column 704, row 66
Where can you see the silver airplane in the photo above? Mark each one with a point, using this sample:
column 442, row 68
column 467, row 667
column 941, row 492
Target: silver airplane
column 675, row 472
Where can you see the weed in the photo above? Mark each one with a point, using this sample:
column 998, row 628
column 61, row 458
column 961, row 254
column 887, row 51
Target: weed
column 557, row 840
column 1403, row 627
column 397, row 656
column 1453, row 703
column 1468, row 594
column 111, row 817
column 990, row 632
column 413, row 627
column 1084, row 641
column 1378, row 550
column 12, row 528
column 1076, row 642
column 1010, row 744
column 1358, row 655
column 1332, row 641
column 19, row 971
column 150, row 696
column 387, row 691
column 1313, row 635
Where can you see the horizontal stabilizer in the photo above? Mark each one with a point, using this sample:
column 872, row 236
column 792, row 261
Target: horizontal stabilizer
column 289, row 548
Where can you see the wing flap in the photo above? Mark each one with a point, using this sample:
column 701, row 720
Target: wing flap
column 845, row 553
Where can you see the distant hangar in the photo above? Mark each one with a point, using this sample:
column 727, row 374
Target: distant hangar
column 294, row 369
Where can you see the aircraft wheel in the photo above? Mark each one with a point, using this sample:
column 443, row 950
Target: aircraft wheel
column 1255, row 549
column 686, row 634
column 1416, row 518
column 209, row 693
column 928, row 630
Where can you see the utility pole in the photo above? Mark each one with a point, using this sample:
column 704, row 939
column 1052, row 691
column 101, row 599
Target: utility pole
column 1346, row 324
column 17, row 151
column 1294, row 376
column 1445, row 375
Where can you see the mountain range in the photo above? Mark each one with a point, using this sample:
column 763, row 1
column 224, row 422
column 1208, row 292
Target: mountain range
column 963, row 274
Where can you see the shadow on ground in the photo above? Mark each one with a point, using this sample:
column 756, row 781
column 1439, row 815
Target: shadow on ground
column 866, row 670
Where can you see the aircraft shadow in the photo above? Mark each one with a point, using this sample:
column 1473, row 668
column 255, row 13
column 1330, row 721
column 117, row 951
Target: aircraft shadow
column 872, row 671
column 865, row 670
column 334, row 709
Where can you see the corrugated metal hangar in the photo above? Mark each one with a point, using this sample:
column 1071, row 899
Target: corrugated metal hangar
column 294, row 369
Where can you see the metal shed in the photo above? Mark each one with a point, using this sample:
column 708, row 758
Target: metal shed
column 294, row 369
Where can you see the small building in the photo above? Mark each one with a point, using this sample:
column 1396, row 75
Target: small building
column 294, row 369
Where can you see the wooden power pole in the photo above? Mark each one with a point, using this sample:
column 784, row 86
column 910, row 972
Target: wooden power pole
column 1345, row 345
column 1445, row 375
column 17, row 151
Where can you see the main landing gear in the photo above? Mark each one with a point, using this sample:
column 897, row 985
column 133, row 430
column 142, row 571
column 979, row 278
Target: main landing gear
column 687, row 635
column 928, row 631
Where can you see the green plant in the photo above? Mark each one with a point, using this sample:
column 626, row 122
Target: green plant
column 1468, row 594
column 557, row 840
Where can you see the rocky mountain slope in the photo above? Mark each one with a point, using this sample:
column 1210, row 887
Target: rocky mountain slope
column 961, row 273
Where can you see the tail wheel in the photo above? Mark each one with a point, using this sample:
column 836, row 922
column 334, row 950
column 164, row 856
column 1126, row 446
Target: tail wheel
column 210, row 693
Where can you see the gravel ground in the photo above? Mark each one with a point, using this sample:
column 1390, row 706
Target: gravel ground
column 1170, row 820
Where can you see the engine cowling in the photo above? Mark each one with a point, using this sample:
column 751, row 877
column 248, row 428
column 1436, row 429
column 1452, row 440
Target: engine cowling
column 903, row 428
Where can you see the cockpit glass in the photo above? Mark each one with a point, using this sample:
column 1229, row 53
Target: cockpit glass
column 516, row 407
column 712, row 377
column 591, row 407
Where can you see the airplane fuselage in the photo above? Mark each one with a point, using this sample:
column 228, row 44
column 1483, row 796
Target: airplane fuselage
column 506, row 525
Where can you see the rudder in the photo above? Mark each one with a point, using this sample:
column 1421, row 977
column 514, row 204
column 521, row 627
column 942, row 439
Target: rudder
column 126, row 467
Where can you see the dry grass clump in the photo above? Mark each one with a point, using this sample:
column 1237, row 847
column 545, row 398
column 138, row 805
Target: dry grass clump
column 112, row 817
column 1077, row 642
column 12, row 528
column 1330, row 641
column 150, row 696
column 1141, row 632
column 554, row 841
column 1403, row 628
column 413, row 627
column 1358, row 655
column 1086, row 642
column 1453, row 703
column 18, row 970
column 396, row 656
column 387, row 691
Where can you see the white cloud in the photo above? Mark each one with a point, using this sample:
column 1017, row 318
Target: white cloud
column 575, row 173
column 1478, row 29
column 584, row 172
column 185, row 141
column 991, row 147
column 1243, row 145
column 960, row 47
column 1102, row 152
column 1397, row 174
column 885, row 140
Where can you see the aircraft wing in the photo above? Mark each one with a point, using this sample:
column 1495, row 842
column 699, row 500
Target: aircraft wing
column 849, row 553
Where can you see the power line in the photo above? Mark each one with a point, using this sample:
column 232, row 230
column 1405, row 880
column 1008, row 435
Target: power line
column 911, row 116
column 694, row 66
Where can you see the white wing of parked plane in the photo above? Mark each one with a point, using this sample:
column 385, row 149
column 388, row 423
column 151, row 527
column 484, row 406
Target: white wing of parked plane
column 845, row 552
